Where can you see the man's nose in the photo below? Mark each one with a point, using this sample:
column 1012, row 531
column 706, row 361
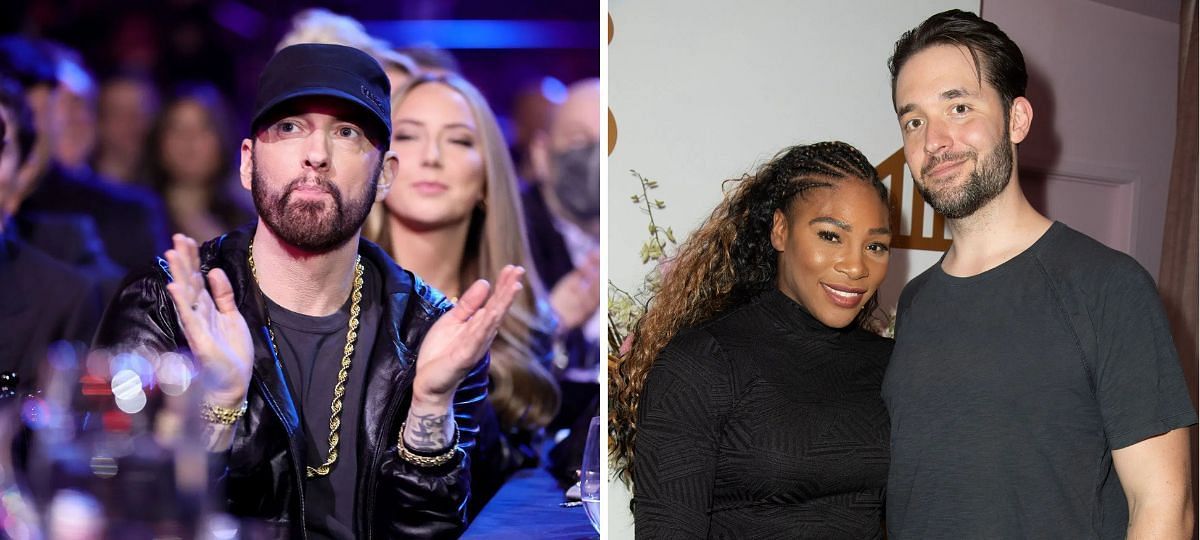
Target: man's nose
column 937, row 137
column 316, row 152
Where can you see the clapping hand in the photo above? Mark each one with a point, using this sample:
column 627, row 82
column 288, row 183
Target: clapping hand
column 577, row 295
column 215, row 330
column 460, row 337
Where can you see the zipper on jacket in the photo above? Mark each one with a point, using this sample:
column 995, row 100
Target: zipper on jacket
column 296, row 472
column 389, row 419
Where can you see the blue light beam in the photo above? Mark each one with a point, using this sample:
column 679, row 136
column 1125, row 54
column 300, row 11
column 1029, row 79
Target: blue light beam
column 489, row 34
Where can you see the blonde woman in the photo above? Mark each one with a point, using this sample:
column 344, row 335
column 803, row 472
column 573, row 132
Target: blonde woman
column 453, row 216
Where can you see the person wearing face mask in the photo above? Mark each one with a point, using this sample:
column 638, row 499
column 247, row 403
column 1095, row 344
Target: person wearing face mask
column 574, row 204
column 452, row 217
column 562, row 214
column 748, row 405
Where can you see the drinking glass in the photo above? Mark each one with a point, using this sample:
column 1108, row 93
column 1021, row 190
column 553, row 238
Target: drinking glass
column 116, row 446
column 589, row 474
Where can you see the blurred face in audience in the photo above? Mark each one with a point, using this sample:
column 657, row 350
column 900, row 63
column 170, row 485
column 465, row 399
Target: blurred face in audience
column 568, row 158
column 77, row 138
column 189, row 147
column 9, row 161
column 442, row 178
column 126, row 113
column 43, row 104
column 577, row 121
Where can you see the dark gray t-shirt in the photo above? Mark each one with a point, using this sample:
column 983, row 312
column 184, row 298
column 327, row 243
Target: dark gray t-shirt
column 311, row 350
column 1009, row 390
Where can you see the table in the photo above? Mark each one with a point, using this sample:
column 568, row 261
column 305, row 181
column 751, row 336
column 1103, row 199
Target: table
column 527, row 506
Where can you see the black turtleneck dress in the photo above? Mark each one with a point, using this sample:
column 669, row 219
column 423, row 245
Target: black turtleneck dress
column 763, row 423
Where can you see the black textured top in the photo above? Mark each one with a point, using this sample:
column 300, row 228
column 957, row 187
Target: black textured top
column 763, row 423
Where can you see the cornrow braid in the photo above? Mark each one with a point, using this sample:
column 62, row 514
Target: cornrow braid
column 726, row 261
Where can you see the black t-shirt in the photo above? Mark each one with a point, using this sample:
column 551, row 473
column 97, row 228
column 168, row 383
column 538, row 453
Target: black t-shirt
column 311, row 350
column 1009, row 390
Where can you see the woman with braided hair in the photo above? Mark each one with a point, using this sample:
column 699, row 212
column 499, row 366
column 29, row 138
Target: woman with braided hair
column 748, row 405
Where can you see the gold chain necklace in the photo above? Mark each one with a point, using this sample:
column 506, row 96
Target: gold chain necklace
column 339, row 389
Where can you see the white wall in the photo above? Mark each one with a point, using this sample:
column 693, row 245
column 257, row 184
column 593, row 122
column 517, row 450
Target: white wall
column 705, row 90
column 1103, row 83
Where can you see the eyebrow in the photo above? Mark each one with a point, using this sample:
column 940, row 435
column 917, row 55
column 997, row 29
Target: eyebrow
column 953, row 93
column 832, row 221
column 847, row 227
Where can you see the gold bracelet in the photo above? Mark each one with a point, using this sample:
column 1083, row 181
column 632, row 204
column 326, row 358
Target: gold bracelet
column 426, row 461
column 221, row 415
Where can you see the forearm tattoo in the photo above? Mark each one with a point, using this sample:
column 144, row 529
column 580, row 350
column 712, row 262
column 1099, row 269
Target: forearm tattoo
column 428, row 432
column 216, row 437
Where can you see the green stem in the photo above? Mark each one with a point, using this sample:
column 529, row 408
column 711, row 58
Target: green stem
column 649, row 212
column 621, row 291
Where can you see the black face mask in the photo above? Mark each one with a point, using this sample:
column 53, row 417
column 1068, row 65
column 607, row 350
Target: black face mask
column 577, row 182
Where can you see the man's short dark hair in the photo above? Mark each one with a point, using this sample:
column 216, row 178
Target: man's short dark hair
column 996, row 57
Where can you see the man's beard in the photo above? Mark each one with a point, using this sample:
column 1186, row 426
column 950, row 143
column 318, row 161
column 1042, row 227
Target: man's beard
column 315, row 226
column 989, row 178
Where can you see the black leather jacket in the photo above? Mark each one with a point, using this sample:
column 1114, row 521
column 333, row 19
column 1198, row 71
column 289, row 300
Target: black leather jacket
column 262, row 478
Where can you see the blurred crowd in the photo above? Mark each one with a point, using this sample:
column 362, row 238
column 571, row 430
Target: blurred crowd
column 96, row 173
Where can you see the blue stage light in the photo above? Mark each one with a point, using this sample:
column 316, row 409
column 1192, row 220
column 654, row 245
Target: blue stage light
column 488, row 34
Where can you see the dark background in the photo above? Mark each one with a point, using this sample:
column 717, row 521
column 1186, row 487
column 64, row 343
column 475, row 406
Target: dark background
column 227, row 42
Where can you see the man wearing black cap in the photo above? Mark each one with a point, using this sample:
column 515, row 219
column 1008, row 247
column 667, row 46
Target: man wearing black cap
column 340, row 407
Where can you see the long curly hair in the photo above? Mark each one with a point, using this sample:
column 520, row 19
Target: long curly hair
column 728, row 260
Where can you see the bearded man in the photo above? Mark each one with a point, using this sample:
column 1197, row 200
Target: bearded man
column 341, row 387
column 1034, row 390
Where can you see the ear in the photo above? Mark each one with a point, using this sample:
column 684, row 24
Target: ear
column 1020, row 118
column 246, row 168
column 387, row 175
column 779, row 230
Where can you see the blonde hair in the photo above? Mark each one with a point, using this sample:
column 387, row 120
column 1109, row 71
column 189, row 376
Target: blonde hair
column 319, row 25
column 524, row 393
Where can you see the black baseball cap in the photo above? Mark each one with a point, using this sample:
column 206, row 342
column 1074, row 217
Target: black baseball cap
column 320, row 69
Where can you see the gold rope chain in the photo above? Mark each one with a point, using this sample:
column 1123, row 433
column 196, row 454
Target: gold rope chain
column 339, row 389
